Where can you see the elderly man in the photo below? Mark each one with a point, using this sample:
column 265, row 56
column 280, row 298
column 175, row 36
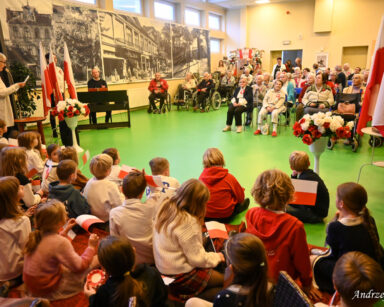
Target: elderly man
column 258, row 90
column 356, row 87
column 300, row 107
column 357, row 70
column 6, row 113
column 203, row 90
column 346, row 69
column 158, row 88
column 365, row 77
column 267, row 80
column 277, row 67
column 188, row 85
column 298, row 62
column 97, row 82
column 226, row 85
column 341, row 78
column 247, row 75
column 242, row 101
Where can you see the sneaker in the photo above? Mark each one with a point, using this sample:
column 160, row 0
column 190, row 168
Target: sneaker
column 202, row 111
column 257, row 132
column 274, row 133
column 150, row 110
column 239, row 129
column 227, row 128
column 54, row 134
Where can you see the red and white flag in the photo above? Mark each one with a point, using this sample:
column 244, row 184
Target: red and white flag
column 125, row 170
column 240, row 54
column 305, row 192
column 216, row 230
column 46, row 87
column 373, row 106
column 85, row 157
column 68, row 74
column 250, row 53
column 154, row 181
column 53, row 77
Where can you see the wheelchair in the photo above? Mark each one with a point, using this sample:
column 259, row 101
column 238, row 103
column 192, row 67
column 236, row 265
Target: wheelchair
column 212, row 101
column 167, row 106
column 188, row 99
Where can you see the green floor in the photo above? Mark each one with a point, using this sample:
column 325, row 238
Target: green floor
column 183, row 136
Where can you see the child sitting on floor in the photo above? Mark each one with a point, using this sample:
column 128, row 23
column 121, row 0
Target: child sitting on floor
column 30, row 141
column 283, row 235
column 14, row 163
column 102, row 195
column 3, row 130
column 299, row 163
column 49, row 172
column 226, row 194
column 14, row 231
column 127, row 282
column 52, row 268
column 356, row 278
column 353, row 229
column 71, row 153
column 64, row 191
column 134, row 219
column 160, row 167
column 178, row 244
column 116, row 168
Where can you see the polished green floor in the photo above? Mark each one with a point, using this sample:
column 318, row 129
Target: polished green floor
column 183, row 136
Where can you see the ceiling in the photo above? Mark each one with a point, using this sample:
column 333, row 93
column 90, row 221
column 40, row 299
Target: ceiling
column 234, row 4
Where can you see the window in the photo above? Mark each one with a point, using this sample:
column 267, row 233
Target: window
column 37, row 33
column 215, row 45
column 164, row 10
column 27, row 33
column 214, row 22
column 133, row 6
column 87, row 1
column 192, row 17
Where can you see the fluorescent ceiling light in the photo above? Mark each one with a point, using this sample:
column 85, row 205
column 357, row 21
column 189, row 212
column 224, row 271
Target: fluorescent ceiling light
column 262, row 1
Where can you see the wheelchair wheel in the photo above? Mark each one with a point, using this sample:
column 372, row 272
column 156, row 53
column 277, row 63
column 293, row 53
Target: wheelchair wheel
column 193, row 100
column 168, row 102
column 331, row 144
column 355, row 145
column 377, row 142
column 216, row 100
column 176, row 101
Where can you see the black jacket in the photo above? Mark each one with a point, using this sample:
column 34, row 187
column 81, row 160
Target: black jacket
column 248, row 96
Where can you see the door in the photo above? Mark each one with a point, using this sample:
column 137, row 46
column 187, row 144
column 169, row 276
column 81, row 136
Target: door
column 292, row 55
column 273, row 59
column 355, row 56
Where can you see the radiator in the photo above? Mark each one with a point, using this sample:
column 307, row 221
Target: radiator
column 138, row 97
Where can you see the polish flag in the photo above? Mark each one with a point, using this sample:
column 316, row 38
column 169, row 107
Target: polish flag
column 250, row 53
column 240, row 54
column 68, row 74
column 154, row 181
column 85, row 157
column 373, row 104
column 305, row 192
column 217, row 230
column 125, row 170
column 53, row 77
column 46, row 87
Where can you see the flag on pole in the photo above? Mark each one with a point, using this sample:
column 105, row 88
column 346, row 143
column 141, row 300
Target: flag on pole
column 53, row 77
column 305, row 192
column 373, row 107
column 250, row 53
column 240, row 54
column 68, row 74
column 46, row 87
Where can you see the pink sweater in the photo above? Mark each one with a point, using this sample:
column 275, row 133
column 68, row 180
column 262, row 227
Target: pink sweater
column 43, row 267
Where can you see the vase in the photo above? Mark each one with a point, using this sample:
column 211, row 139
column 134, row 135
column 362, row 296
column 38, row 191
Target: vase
column 317, row 148
column 72, row 124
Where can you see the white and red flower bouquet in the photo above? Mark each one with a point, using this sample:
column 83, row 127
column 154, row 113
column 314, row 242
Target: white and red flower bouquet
column 70, row 108
column 312, row 127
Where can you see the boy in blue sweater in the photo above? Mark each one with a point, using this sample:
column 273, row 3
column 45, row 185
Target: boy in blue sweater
column 64, row 191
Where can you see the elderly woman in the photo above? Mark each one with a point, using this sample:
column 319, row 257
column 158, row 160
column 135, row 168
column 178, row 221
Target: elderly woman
column 187, row 86
column 226, row 85
column 242, row 101
column 357, row 86
column 274, row 103
column 6, row 112
column 318, row 97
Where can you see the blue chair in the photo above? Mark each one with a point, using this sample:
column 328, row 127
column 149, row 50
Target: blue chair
column 349, row 82
column 298, row 91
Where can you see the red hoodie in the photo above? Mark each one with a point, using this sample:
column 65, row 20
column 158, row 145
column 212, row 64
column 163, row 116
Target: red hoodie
column 285, row 242
column 161, row 85
column 225, row 192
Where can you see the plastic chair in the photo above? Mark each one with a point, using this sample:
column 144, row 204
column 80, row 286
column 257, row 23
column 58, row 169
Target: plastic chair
column 349, row 82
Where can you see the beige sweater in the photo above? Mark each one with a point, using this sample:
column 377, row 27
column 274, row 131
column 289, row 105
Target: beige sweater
column 274, row 99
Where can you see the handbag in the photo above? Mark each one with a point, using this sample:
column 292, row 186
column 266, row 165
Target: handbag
column 346, row 108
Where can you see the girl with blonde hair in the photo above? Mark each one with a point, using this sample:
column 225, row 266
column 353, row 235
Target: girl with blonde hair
column 52, row 268
column 178, row 244
column 30, row 140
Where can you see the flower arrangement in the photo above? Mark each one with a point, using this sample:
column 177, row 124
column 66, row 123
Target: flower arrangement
column 70, row 108
column 312, row 127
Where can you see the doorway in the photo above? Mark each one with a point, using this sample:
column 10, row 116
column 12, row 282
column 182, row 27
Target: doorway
column 273, row 59
column 292, row 55
column 355, row 56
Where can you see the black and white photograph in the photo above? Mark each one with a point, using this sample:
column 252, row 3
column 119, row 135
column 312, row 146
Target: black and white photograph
column 322, row 60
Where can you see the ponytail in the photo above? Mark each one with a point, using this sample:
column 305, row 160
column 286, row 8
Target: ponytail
column 126, row 290
column 370, row 225
column 33, row 241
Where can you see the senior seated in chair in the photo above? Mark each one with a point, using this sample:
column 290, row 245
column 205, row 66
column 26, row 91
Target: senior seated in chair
column 247, row 75
column 242, row 101
column 357, row 87
column 318, row 97
column 187, row 86
column 158, row 88
column 226, row 85
column 273, row 103
column 259, row 90
column 203, row 90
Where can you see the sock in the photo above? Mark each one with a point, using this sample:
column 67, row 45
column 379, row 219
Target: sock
column 274, row 127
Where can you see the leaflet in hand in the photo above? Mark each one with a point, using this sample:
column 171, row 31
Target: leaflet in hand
column 26, row 79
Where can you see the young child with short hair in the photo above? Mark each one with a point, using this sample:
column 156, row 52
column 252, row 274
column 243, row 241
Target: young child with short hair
column 14, row 231
column 160, row 167
column 52, row 268
column 14, row 163
column 102, row 195
column 356, row 277
column 71, row 153
column 299, row 163
column 353, row 229
column 134, row 219
column 116, row 168
column 64, row 191
column 226, row 198
column 178, row 244
column 283, row 235
column 127, row 281
column 49, row 172
column 3, row 130
column 30, row 141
